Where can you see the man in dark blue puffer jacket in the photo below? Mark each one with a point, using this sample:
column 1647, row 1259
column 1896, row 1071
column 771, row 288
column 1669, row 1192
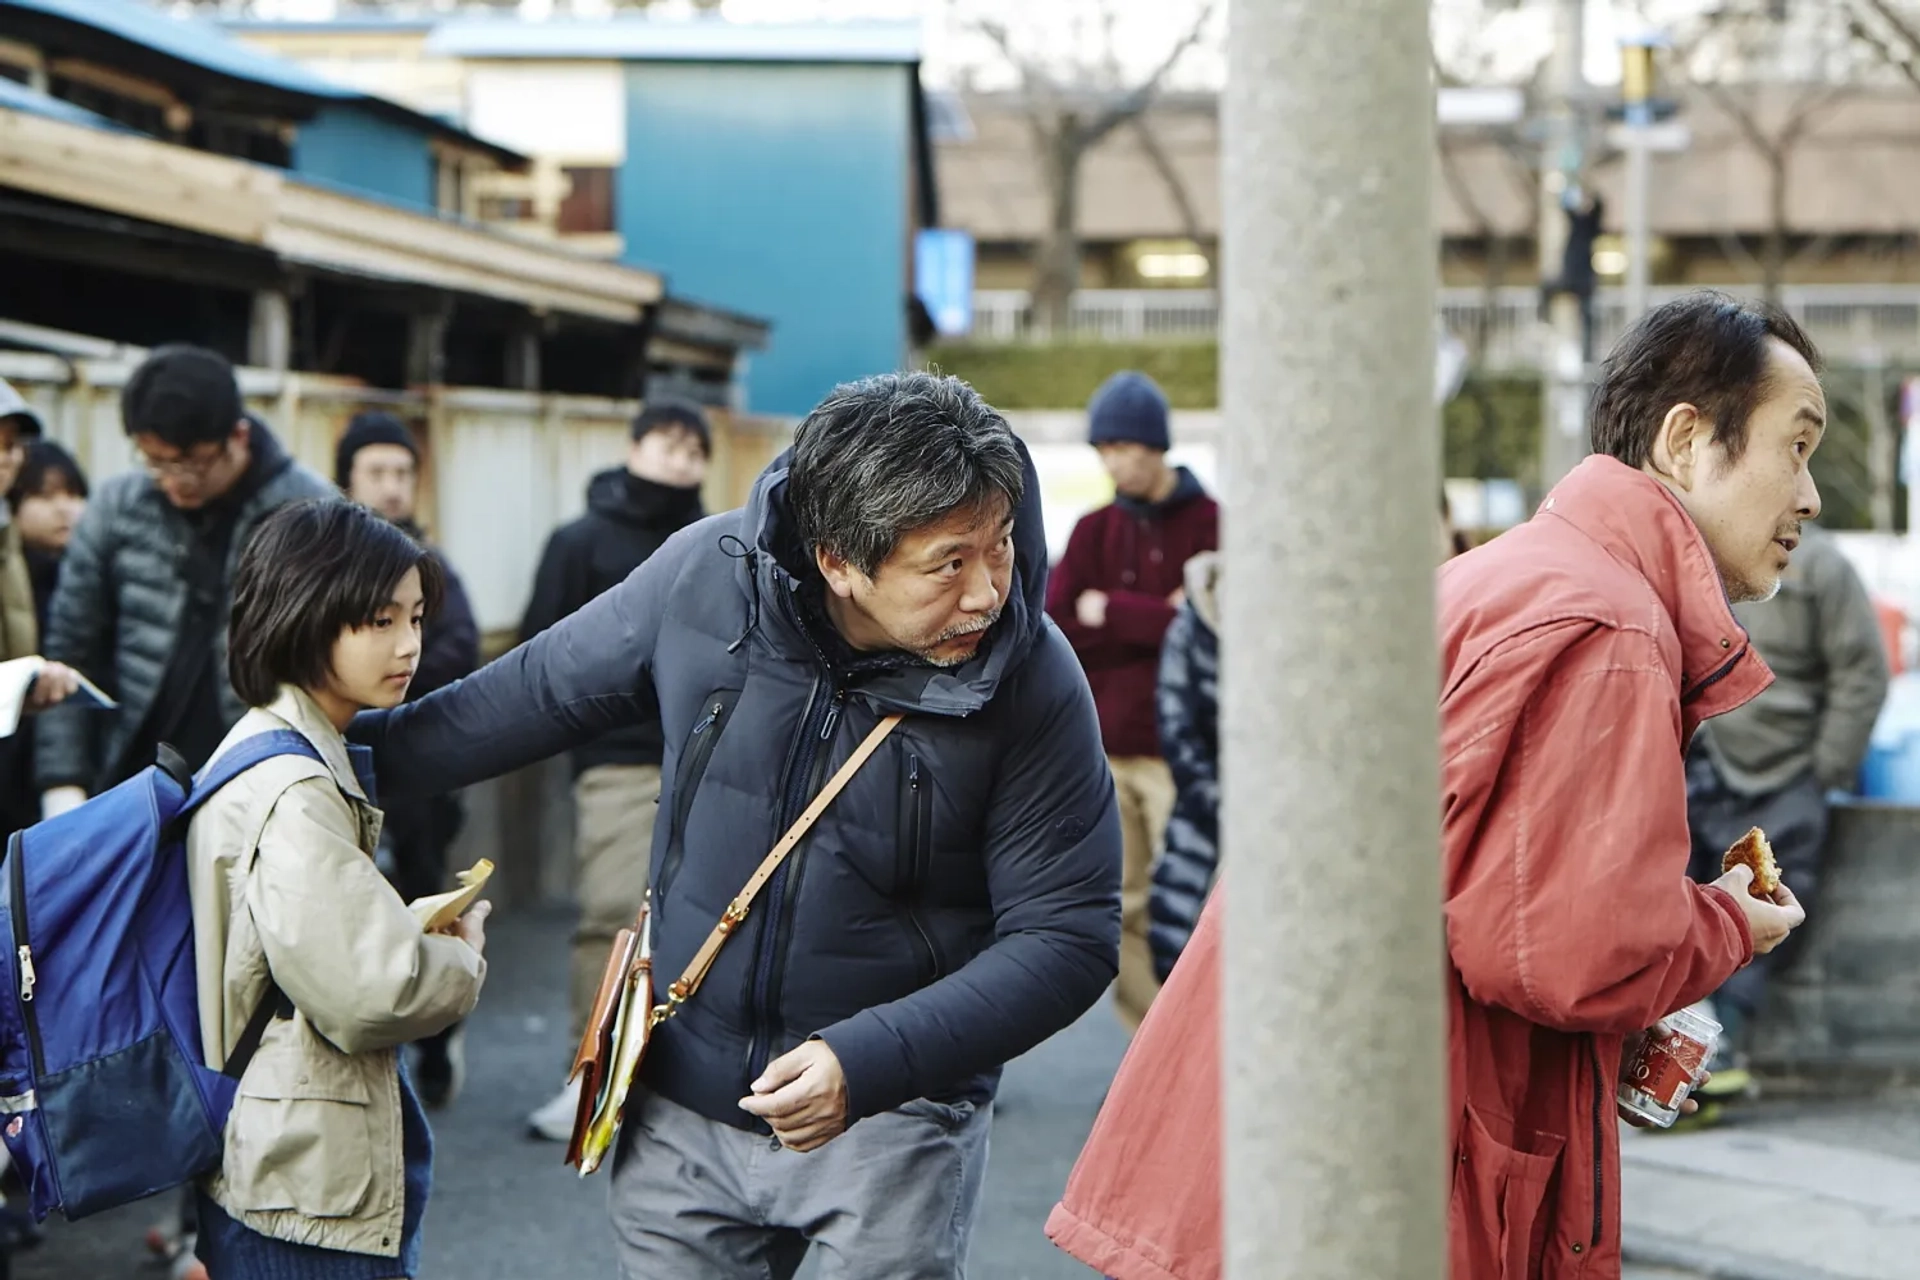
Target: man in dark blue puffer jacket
column 832, row 1081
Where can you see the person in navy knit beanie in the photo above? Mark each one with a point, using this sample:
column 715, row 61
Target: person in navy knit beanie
column 1113, row 594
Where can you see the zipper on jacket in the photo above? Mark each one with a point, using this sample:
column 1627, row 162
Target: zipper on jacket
column 771, row 940
column 1599, row 1149
column 1725, row 670
column 699, row 750
column 23, row 954
column 918, row 834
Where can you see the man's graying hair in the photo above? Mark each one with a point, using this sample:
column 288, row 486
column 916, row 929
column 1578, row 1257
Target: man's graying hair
column 881, row 457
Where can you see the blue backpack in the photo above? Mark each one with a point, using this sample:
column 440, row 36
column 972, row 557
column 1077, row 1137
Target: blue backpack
column 103, row 1095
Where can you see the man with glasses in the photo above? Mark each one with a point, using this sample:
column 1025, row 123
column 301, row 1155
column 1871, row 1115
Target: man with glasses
column 146, row 587
column 143, row 598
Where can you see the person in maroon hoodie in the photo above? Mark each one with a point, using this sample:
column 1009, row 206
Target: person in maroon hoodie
column 1113, row 594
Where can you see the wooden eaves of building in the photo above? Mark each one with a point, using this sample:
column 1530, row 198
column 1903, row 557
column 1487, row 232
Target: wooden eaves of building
column 159, row 182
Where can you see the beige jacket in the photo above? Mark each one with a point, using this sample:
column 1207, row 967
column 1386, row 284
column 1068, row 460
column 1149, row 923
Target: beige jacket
column 19, row 626
column 283, row 881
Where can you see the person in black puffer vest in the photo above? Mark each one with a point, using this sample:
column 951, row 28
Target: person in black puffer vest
column 631, row 510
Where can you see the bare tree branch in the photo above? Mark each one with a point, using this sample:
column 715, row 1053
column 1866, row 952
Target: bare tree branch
column 1901, row 60
column 1069, row 112
column 1033, row 76
column 1736, row 249
column 1462, row 191
column 1806, row 111
column 1169, row 177
column 1136, row 101
column 1815, row 249
column 1744, row 119
column 1110, row 43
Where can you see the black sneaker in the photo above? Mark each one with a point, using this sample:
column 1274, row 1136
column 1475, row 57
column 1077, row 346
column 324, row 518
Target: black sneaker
column 439, row 1069
column 18, row 1231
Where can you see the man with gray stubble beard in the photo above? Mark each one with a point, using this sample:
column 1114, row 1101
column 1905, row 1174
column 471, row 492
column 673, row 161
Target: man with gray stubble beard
column 832, row 1081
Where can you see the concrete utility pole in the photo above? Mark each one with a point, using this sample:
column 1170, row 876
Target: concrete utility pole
column 1642, row 132
column 1563, row 373
column 1333, row 1037
column 1636, row 90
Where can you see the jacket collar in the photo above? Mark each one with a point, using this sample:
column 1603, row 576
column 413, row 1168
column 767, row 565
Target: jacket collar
column 351, row 765
column 774, row 570
column 1640, row 523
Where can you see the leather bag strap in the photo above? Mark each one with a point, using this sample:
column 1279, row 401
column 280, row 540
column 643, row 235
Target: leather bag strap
column 696, row 972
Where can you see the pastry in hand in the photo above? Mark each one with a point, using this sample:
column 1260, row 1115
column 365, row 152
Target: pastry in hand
column 438, row 912
column 1752, row 850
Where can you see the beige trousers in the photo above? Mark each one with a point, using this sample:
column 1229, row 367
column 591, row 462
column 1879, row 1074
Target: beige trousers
column 1145, row 789
column 613, row 807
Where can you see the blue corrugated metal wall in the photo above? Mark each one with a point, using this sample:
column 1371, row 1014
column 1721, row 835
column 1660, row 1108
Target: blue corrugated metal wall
column 352, row 147
column 781, row 191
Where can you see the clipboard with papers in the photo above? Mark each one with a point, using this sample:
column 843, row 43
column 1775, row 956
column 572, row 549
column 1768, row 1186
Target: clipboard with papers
column 16, row 681
column 616, row 1039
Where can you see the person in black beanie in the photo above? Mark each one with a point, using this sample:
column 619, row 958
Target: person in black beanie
column 631, row 511
column 377, row 464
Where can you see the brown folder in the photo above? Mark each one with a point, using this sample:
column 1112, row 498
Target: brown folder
column 595, row 1057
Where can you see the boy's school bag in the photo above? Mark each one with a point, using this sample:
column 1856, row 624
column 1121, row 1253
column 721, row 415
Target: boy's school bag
column 104, row 1097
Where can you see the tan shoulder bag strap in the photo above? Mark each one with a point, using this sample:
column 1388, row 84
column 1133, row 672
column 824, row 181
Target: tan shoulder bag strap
column 696, row 972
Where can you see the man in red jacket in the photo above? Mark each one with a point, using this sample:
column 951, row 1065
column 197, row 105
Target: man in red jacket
column 1579, row 653
column 1114, row 593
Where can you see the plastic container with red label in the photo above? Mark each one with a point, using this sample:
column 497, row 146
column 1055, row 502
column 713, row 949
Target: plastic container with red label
column 1671, row 1059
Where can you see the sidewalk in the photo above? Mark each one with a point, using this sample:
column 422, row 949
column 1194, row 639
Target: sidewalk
column 1781, row 1191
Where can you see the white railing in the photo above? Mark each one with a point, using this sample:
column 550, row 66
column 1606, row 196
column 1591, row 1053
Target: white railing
column 1852, row 323
column 1103, row 315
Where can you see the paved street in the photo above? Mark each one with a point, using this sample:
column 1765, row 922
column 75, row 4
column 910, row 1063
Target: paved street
column 1788, row 1191
column 504, row 1208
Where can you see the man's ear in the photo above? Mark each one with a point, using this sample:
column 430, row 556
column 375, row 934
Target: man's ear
column 837, row 570
column 242, row 432
column 1680, row 445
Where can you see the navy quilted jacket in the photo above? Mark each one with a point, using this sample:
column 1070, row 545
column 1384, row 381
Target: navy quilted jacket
column 957, row 904
column 1189, row 704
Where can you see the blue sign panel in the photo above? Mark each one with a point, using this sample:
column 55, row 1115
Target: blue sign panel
column 943, row 277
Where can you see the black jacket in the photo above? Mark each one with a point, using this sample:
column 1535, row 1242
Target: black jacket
column 120, row 606
column 450, row 647
column 627, row 520
column 956, row 905
column 421, row 828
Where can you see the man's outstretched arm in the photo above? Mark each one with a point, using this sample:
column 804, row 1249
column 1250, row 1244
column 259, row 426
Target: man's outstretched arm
column 573, row 682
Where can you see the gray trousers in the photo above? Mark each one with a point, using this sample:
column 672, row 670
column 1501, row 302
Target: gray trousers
column 892, row 1198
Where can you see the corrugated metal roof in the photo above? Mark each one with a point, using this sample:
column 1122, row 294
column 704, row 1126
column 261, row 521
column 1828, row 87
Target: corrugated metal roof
column 641, row 39
column 200, row 43
column 188, row 39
